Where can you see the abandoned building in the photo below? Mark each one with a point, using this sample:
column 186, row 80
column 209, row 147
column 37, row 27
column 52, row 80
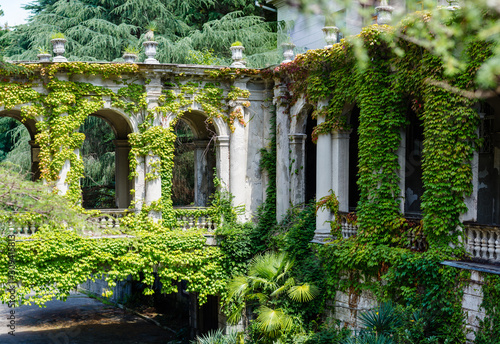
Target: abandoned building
column 229, row 140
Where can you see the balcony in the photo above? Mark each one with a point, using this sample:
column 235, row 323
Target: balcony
column 108, row 220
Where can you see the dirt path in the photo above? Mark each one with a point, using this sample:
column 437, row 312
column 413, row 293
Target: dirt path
column 79, row 320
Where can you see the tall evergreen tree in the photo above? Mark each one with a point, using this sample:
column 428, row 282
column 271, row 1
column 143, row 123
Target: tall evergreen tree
column 102, row 29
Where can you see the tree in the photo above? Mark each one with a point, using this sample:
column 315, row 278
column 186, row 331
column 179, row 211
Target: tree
column 32, row 203
column 101, row 30
column 267, row 283
column 445, row 31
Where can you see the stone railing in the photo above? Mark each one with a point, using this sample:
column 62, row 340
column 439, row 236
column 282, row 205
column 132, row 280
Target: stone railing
column 191, row 217
column 109, row 218
column 12, row 228
column 483, row 242
column 349, row 228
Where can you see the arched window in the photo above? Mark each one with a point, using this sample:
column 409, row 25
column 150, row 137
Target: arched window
column 17, row 145
column 98, row 154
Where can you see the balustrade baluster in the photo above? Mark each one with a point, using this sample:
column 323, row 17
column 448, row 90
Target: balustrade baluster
column 491, row 245
column 484, row 245
column 477, row 244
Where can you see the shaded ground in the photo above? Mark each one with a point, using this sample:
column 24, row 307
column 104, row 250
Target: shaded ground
column 79, row 320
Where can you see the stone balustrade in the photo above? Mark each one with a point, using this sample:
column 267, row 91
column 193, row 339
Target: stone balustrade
column 483, row 242
column 188, row 217
column 349, row 228
column 13, row 228
column 109, row 218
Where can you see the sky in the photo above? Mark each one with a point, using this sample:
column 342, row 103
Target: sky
column 13, row 14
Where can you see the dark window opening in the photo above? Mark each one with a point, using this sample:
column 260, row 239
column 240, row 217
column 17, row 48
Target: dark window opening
column 414, row 187
column 353, row 160
column 488, row 207
column 310, row 161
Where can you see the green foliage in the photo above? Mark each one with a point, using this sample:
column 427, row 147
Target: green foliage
column 236, row 243
column 101, row 30
column 217, row 337
column 176, row 255
column 490, row 326
column 267, row 282
column 14, row 144
column 381, row 320
column 329, row 335
column 33, row 204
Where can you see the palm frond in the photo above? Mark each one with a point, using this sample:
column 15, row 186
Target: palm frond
column 303, row 293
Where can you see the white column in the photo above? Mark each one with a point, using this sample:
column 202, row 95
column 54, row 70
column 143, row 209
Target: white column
column 140, row 183
column 222, row 164
column 282, row 156
column 152, row 162
column 323, row 181
column 61, row 184
column 122, row 183
column 471, row 201
column 340, row 168
column 238, row 163
column 297, row 170
column 153, row 183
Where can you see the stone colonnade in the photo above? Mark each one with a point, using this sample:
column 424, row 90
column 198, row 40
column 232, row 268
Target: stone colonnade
column 237, row 151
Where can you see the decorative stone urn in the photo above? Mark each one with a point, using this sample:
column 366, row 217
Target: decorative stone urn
column 58, row 44
column 130, row 57
column 453, row 5
column 384, row 13
column 237, row 56
column 44, row 57
column 331, row 35
column 287, row 52
column 150, row 51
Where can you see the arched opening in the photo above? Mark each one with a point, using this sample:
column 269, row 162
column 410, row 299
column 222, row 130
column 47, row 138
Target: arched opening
column 105, row 158
column 183, row 172
column 17, row 144
column 194, row 160
column 98, row 155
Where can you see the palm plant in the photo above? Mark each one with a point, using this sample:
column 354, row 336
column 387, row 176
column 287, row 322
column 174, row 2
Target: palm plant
column 382, row 320
column 268, row 282
column 216, row 337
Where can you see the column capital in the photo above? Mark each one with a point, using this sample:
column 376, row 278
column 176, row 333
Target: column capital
column 297, row 138
column 121, row 143
column 33, row 144
column 202, row 143
column 341, row 134
column 223, row 141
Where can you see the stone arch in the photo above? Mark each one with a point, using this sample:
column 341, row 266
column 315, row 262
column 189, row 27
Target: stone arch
column 209, row 136
column 302, row 153
column 30, row 125
column 122, row 126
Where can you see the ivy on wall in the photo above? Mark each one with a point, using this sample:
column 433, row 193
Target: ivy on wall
column 57, row 260
column 383, row 86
